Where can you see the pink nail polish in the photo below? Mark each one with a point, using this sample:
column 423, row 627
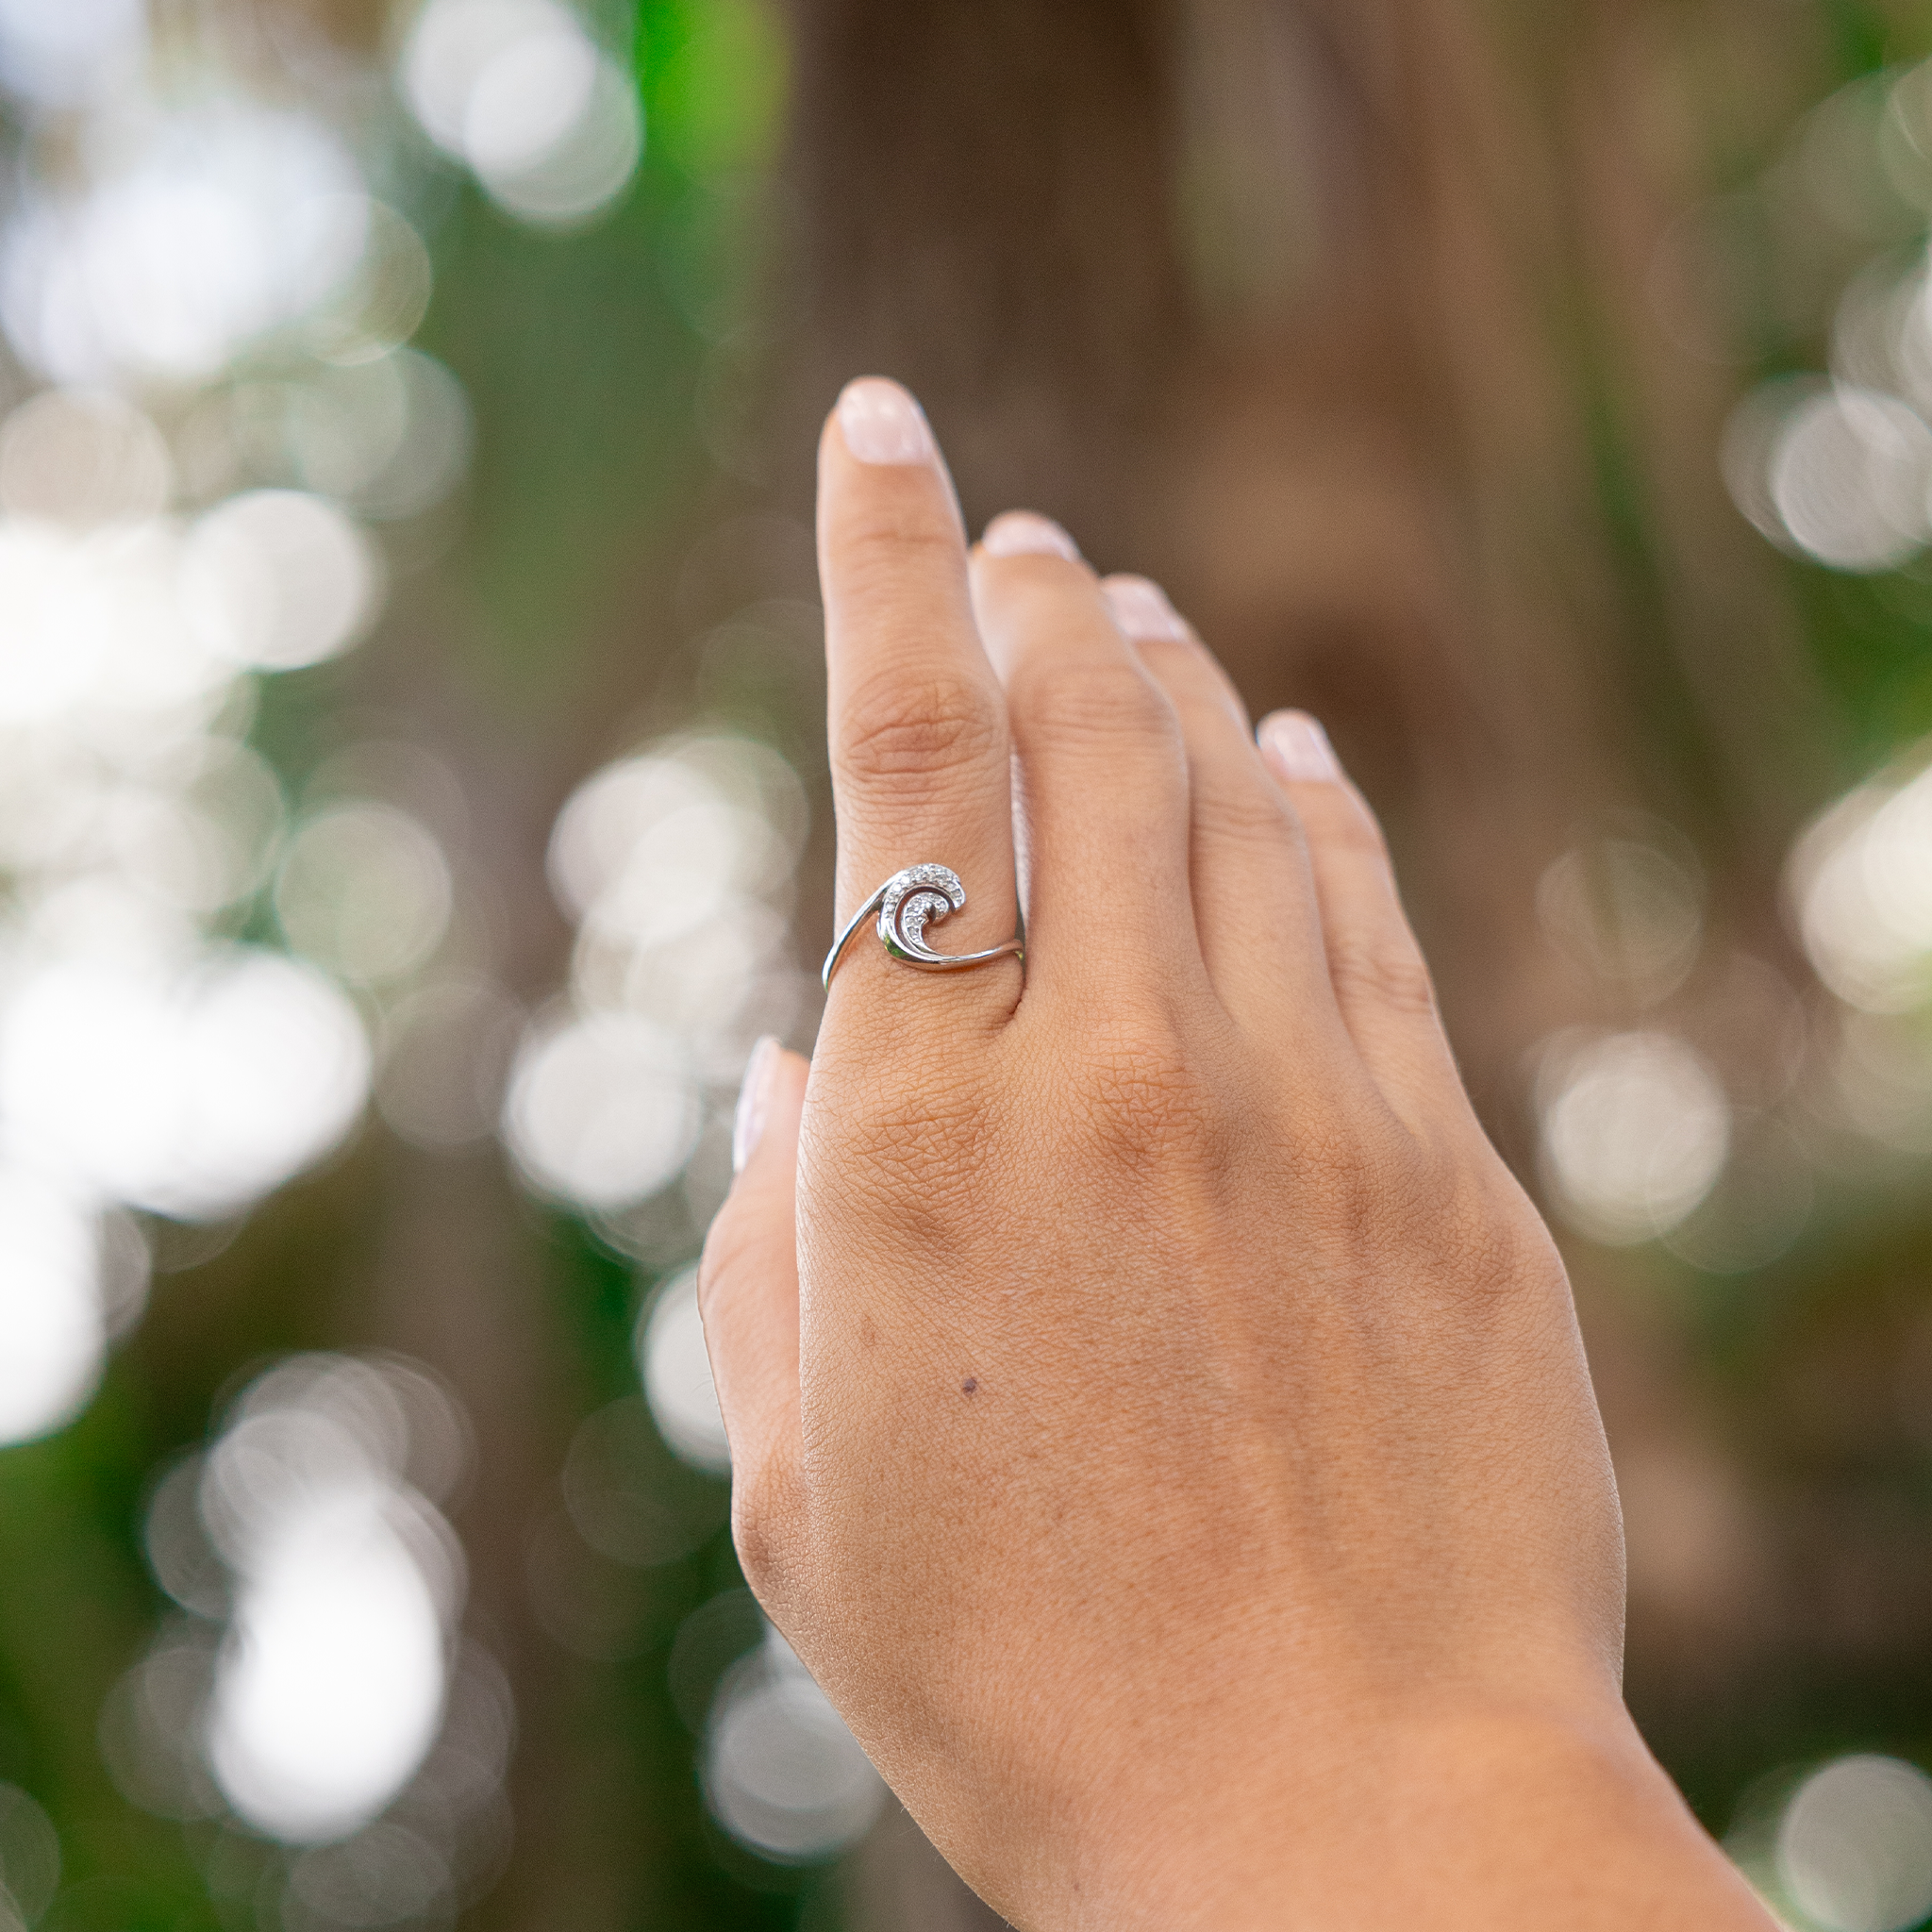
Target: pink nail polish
column 1139, row 608
column 1298, row 748
column 1021, row 533
column 754, row 1096
column 881, row 423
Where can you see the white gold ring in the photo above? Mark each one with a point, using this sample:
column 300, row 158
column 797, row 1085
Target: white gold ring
column 907, row 904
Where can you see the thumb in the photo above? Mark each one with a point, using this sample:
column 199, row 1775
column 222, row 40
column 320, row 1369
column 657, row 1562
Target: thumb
column 748, row 1278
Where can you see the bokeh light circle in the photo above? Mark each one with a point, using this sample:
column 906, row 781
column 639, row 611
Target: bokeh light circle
column 190, row 1093
column 600, row 1110
column 364, row 891
column 53, row 1328
column 518, row 91
column 675, row 1367
column 1849, row 475
column 1635, row 1129
column 783, row 1773
column 1855, row 1845
column 278, row 579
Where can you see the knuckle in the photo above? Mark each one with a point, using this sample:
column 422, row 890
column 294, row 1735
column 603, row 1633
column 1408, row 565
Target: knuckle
column 1077, row 702
column 883, row 549
column 1383, row 973
column 1476, row 1236
column 766, row 1529
column 913, row 1149
column 1242, row 814
column 1435, row 1207
column 1502, row 1244
column 898, row 728
column 1346, row 1187
column 1141, row 1100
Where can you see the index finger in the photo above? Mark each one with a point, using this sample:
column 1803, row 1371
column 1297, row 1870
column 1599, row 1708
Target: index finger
column 921, row 766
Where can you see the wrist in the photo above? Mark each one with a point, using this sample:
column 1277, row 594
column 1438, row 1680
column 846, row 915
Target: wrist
column 1490, row 1819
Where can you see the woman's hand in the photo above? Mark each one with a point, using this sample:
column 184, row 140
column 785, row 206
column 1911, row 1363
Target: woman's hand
column 1158, row 1418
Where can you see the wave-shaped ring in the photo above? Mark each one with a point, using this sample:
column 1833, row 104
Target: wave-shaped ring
column 907, row 904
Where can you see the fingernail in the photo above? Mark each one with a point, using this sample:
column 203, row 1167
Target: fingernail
column 1021, row 533
column 1140, row 609
column 881, row 423
column 1298, row 748
column 748, row 1125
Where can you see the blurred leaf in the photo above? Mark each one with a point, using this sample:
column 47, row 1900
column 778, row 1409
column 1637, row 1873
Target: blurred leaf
column 714, row 76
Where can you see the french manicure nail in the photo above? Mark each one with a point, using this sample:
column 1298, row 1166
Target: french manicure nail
column 748, row 1123
column 882, row 424
column 1298, row 748
column 1021, row 533
column 1139, row 608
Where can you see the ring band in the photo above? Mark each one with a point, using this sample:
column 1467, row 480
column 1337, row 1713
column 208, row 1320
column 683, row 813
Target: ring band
column 907, row 904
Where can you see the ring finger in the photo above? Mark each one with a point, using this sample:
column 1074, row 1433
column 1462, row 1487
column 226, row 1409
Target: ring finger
column 1255, row 898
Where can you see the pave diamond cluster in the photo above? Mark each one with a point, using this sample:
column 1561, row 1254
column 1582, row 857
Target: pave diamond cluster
column 919, row 896
column 907, row 904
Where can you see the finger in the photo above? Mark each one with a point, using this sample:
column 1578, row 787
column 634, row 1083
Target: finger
column 1381, row 982
column 1145, row 615
column 921, row 769
column 748, row 1278
column 1102, row 771
column 1255, row 906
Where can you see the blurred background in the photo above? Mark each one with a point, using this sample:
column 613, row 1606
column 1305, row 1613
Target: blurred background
column 412, row 806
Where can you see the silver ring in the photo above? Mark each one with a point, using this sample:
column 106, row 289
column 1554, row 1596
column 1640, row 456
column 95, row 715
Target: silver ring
column 907, row 904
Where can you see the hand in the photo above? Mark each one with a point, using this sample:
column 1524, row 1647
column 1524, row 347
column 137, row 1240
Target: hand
column 1158, row 1417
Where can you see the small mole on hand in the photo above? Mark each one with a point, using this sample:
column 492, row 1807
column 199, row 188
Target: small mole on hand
column 968, row 1385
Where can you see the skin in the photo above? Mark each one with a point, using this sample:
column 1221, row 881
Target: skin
column 1157, row 1416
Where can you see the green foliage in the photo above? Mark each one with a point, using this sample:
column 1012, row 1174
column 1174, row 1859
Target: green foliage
column 713, row 75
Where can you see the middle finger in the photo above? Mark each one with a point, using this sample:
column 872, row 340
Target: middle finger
column 1103, row 775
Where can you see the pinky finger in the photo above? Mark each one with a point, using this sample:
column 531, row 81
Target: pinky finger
column 1381, row 981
